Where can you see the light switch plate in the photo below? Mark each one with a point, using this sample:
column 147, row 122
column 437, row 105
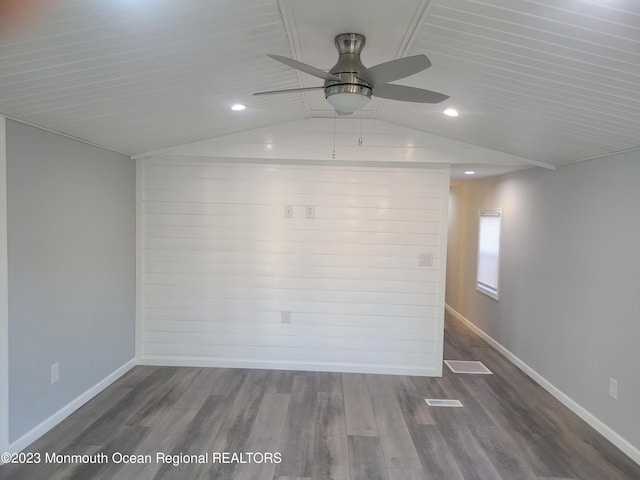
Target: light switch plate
column 425, row 259
column 310, row 211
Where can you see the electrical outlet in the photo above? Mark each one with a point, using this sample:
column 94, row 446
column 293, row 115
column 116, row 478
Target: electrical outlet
column 55, row 373
column 288, row 211
column 286, row 316
column 613, row 388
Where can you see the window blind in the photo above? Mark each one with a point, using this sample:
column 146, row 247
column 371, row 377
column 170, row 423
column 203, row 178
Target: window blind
column 489, row 252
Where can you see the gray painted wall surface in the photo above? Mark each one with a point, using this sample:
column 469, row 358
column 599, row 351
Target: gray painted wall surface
column 570, row 295
column 71, row 246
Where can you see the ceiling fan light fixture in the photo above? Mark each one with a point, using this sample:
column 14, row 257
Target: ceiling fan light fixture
column 348, row 97
column 348, row 102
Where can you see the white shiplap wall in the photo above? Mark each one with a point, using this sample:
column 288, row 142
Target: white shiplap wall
column 219, row 262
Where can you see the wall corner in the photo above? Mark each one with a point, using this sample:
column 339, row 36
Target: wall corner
column 4, row 297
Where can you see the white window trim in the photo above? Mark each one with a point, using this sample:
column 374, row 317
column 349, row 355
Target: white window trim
column 483, row 288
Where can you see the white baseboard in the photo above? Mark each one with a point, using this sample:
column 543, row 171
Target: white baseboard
column 35, row 433
column 606, row 431
column 185, row 361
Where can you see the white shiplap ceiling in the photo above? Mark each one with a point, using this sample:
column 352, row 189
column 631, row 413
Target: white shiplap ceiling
column 552, row 81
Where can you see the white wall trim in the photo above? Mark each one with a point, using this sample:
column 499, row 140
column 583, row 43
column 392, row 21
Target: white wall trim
column 444, row 219
column 139, row 257
column 35, row 433
column 184, row 159
column 184, row 361
column 4, row 294
column 606, row 431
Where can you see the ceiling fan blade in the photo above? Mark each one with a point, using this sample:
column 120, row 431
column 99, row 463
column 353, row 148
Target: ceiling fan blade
column 288, row 90
column 394, row 69
column 408, row 94
column 303, row 67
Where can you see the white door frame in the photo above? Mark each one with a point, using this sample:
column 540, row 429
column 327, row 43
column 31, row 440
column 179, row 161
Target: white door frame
column 4, row 301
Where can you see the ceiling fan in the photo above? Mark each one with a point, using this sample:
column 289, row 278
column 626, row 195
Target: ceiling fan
column 349, row 85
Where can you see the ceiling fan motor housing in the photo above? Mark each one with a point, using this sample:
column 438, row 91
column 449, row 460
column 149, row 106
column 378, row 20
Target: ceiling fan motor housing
column 349, row 46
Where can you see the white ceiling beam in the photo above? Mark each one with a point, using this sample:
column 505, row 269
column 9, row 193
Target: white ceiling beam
column 316, row 139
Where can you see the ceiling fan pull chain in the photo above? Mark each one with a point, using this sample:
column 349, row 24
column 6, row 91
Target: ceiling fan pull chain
column 334, row 135
column 360, row 124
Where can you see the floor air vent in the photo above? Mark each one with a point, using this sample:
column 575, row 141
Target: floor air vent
column 464, row 366
column 442, row 402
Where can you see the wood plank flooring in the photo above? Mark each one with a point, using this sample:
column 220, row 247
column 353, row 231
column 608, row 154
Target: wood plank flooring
column 286, row 425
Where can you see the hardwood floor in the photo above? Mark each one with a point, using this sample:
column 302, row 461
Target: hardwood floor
column 286, row 425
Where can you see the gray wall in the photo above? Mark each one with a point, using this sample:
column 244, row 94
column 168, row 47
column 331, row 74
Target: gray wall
column 570, row 295
column 71, row 246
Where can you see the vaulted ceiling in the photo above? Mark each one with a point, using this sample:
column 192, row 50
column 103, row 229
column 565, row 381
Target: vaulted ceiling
column 545, row 81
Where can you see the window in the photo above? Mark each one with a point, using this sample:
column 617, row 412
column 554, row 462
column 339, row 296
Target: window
column 487, row 280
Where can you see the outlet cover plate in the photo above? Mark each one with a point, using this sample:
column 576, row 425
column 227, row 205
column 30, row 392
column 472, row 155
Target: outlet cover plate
column 310, row 211
column 613, row 388
column 55, row 373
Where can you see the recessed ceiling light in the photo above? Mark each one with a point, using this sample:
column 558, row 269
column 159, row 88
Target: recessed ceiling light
column 451, row 112
column 469, row 172
column 238, row 107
